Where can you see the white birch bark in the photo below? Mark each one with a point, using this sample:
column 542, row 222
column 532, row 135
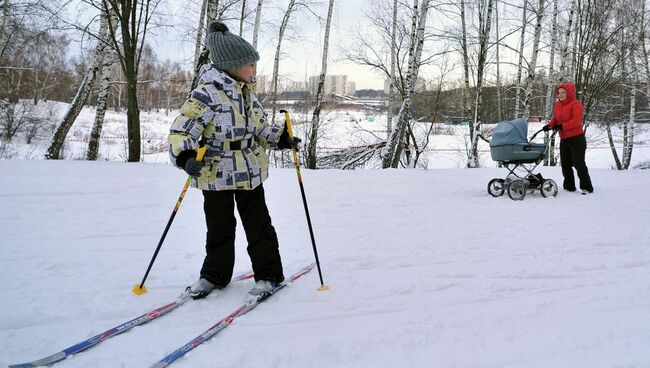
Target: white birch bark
column 241, row 19
column 256, row 27
column 485, row 22
column 212, row 11
column 394, row 145
column 315, row 120
column 498, row 64
column 520, row 66
column 108, row 60
column 562, row 75
column 82, row 93
column 466, row 109
column 548, row 106
column 628, row 131
column 3, row 24
column 532, row 66
column 393, row 78
column 276, row 60
column 199, row 34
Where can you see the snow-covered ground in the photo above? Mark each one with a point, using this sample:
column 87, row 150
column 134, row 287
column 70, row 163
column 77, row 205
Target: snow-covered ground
column 425, row 268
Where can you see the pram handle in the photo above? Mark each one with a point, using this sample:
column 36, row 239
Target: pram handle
column 539, row 131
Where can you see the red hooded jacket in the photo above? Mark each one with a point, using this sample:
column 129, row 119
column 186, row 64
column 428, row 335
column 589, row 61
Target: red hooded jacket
column 568, row 113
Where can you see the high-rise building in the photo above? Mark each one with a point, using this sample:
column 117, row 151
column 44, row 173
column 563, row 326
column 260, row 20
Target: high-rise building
column 333, row 84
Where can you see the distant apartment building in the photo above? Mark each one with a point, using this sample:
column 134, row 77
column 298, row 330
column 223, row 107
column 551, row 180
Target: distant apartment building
column 333, row 84
column 421, row 84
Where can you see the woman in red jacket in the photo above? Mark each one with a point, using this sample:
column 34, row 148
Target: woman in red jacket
column 567, row 118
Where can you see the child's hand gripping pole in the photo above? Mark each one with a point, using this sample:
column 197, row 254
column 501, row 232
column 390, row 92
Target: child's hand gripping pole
column 140, row 289
column 322, row 287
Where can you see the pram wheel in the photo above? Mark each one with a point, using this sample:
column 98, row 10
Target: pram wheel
column 517, row 190
column 496, row 187
column 548, row 188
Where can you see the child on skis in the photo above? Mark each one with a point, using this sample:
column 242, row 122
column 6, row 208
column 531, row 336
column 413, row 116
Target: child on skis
column 223, row 112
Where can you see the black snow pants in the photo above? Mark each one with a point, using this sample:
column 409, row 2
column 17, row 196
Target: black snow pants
column 263, row 249
column 572, row 154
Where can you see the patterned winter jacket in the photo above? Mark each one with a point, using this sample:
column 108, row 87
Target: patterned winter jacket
column 235, row 135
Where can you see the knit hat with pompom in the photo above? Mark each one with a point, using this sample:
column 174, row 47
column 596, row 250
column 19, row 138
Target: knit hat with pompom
column 228, row 50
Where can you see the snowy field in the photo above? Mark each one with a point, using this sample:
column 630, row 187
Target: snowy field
column 425, row 268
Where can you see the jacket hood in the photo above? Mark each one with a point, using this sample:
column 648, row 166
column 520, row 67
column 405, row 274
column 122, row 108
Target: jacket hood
column 570, row 91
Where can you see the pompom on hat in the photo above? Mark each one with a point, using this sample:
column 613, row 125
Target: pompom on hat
column 228, row 50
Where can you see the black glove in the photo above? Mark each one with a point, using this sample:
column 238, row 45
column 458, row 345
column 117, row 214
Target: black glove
column 286, row 142
column 193, row 167
column 546, row 128
column 557, row 127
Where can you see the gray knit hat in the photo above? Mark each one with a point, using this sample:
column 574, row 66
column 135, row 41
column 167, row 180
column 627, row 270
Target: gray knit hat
column 228, row 50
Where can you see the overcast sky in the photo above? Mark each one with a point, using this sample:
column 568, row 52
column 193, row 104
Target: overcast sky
column 304, row 58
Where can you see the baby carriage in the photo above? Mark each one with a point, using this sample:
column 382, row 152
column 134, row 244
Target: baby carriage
column 510, row 147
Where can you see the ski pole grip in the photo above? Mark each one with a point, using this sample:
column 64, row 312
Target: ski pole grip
column 288, row 121
column 200, row 152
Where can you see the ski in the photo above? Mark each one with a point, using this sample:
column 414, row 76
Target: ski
column 219, row 326
column 138, row 321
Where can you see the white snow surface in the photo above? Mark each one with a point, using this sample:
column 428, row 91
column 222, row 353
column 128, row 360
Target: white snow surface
column 425, row 268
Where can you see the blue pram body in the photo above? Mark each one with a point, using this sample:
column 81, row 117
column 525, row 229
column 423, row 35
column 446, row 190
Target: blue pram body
column 511, row 148
column 509, row 143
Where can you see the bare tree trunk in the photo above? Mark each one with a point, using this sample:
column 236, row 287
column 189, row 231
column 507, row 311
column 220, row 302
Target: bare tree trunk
column 243, row 15
column 256, row 28
column 393, row 77
column 498, row 64
column 532, row 66
column 83, row 92
column 394, row 145
column 562, row 75
column 520, row 66
column 315, row 120
column 3, row 26
column 133, row 21
column 485, row 22
column 276, row 60
column 108, row 60
column 610, row 138
column 548, row 106
column 628, row 131
column 199, row 34
column 644, row 51
column 466, row 109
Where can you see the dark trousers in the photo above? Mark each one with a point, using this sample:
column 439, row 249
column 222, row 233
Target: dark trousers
column 572, row 154
column 263, row 249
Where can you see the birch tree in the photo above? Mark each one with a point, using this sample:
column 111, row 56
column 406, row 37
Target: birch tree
column 392, row 78
column 520, row 66
column 532, row 65
column 256, row 27
column 498, row 64
column 485, row 22
column 128, row 36
column 276, row 60
column 467, row 110
column 548, row 105
column 198, row 45
column 315, row 120
column 106, row 70
column 394, row 146
column 83, row 92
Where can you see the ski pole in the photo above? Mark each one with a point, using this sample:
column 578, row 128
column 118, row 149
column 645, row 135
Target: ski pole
column 322, row 287
column 140, row 289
